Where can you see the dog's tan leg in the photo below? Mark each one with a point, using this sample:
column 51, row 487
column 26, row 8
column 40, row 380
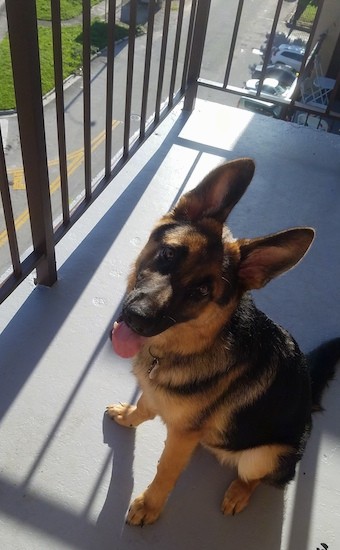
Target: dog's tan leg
column 130, row 416
column 178, row 449
column 237, row 496
column 253, row 465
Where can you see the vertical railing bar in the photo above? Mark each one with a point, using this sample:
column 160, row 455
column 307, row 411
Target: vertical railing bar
column 196, row 55
column 23, row 36
column 60, row 108
column 87, row 95
column 286, row 112
column 162, row 58
column 8, row 213
column 233, row 43
column 129, row 76
column 111, row 25
column 311, row 35
column 147, row 67
column 176, row 51
column 333, row 94
column 189, row 44
column 269, row 47
column 12, row 281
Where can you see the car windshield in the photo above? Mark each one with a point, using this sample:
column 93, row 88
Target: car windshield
column 281, row 73
column 273, row 90
column 283, row 76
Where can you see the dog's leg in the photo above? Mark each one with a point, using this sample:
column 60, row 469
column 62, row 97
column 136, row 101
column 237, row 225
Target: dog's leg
column 253, row 465
column 237, row 496
column 178, row 449
column 130, row 416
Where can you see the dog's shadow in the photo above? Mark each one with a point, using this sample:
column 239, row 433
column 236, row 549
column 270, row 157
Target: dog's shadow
column 192, row 517
column 111, row 521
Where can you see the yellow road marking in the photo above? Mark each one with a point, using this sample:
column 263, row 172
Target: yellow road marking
column 18, row 178
column 77, row 158
column 17, row 174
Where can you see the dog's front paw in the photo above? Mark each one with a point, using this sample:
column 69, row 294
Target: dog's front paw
column 123, row 414
column 141, row 513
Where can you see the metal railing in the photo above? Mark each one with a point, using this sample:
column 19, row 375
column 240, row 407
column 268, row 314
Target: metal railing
column 23, row 33
column 178, row 75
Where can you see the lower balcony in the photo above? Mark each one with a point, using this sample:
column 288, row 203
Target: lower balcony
column 67, row 472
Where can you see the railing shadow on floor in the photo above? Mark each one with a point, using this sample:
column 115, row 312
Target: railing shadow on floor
column 187, row 516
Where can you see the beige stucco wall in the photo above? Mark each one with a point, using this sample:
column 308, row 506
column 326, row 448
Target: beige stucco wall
column 329, row 23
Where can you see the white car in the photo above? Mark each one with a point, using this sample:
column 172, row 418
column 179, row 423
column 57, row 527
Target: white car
column 271, row 86
column 284, row 74
column 289, row 54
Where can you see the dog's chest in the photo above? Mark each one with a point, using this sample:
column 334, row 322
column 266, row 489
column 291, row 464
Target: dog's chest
column 183, row 393
column 155, row 378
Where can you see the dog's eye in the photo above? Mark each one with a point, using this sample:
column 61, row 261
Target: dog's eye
column 167, row 253
column 203, row 290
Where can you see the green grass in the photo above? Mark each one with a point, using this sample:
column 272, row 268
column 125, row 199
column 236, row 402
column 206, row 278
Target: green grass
column 306, row 10
column 68, row 8
column 72, row 56
column 6, row 86
column 99, row 33
column 308, row 15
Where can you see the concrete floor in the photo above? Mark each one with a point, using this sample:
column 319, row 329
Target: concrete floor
column 67, row 473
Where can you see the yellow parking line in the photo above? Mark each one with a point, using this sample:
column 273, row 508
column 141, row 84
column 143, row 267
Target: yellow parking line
column 77, row 158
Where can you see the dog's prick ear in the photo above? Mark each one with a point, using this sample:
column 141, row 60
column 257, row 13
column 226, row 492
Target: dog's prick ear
column 218, row 193
column 267, row 257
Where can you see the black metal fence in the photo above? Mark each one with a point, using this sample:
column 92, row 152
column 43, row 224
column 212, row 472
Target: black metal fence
column 178, row 69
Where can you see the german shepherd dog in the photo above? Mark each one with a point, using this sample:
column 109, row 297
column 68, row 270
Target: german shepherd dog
column 215, row 369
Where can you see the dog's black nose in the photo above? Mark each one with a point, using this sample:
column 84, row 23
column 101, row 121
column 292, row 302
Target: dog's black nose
column 136, row 321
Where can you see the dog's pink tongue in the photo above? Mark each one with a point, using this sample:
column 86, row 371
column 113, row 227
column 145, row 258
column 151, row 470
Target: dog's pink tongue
column 125, row 342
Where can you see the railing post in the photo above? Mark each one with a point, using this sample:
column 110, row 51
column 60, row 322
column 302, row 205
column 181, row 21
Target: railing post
column 23, row 36
column 196, row 53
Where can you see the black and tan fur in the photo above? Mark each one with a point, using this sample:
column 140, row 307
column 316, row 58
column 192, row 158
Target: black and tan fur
column 215, row 369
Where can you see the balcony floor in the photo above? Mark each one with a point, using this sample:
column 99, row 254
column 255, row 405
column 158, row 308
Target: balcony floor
column 67, row 473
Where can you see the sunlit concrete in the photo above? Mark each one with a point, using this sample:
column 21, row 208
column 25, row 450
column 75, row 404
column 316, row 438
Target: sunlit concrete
column 67, row 473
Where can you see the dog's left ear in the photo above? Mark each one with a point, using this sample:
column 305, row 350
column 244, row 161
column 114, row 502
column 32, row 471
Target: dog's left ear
column 267, row 257
column 218, row 193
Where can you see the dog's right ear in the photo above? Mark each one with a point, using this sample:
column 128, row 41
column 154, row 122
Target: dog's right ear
column 218, row 193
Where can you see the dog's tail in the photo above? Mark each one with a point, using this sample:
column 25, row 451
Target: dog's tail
column 322, row 364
